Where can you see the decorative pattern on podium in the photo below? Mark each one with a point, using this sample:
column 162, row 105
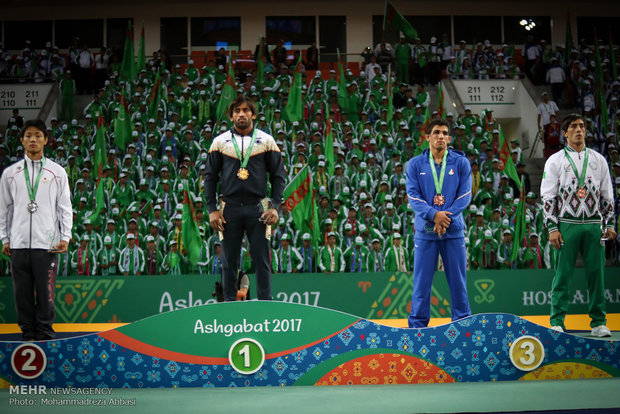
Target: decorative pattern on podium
column 304, row 345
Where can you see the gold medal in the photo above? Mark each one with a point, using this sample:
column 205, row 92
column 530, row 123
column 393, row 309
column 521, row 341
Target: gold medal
column 439, row 200
column 581, row 192
column 243, row 174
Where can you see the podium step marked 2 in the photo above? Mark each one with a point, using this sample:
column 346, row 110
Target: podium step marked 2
column 280, row 344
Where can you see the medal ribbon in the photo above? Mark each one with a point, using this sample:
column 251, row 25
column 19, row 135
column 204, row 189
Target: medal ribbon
column 438, row 182
column 581, row 177
column 32, row 192
column 244, row 160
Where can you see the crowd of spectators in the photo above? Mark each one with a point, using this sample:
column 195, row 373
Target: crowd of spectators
column 571, row 76
column 427, row 63
column 363, row 212
column 89, row 68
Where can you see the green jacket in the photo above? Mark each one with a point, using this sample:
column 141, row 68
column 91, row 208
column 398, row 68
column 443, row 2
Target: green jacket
column 355, row 258
column 325, row 265
column 397, row 259
column 83, row 263
column 108, row 258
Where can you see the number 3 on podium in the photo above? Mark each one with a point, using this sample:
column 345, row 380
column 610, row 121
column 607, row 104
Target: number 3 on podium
column 527, row 353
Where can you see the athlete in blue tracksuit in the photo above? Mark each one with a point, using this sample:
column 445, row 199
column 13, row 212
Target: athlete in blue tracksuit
column 439, row 224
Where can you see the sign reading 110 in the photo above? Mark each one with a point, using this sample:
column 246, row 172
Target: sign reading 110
column 20, row 98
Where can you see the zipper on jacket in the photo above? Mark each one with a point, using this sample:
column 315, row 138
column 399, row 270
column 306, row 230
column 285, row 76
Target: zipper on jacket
column 30, row 214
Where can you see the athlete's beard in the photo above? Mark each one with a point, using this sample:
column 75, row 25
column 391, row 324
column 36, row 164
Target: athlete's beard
column 243, row 124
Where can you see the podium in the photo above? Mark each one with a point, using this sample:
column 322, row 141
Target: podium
column 258, row 343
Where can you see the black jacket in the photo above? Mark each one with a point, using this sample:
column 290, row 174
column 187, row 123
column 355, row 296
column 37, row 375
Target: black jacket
column 223, row 164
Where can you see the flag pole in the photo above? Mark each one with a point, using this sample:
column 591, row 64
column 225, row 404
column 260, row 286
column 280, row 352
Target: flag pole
column 384, row 19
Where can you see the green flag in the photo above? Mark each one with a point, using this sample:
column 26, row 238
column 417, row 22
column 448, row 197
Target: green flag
column 189, row 231
column 298, row 198
column 294, row 106
column 505, row 160
column 141, row 53
column 392, row 19
column 518, row 241
column 390, row 108
column 154, row 99
column 343, row 95
column 329, row 147
column 101, row 160
column 128, row 64
column 228, row 92
column 122, row 125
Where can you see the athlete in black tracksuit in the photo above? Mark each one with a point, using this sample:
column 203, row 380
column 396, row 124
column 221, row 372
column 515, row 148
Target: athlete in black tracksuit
column 242, row 192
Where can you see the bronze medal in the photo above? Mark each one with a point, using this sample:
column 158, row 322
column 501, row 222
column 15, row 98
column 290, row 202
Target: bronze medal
column 243, row 174
column 439, row 200
column 581, row 192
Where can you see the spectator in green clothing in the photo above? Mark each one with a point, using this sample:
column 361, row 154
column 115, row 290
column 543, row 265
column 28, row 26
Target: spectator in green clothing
column 396, row 256
column 67, row 91
column 289, row 259
column 331, row 256
column 355, row 256
column 83, row 259
column 107, row 258
column 132, row 257
column 215, row 261
column 485, row 250
column 504, row 252
column 124, row 191
column 174, row 263
column 531, row 256
column 402, row 54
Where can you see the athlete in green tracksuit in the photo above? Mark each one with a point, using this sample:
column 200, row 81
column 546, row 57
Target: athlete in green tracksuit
column 578, row 209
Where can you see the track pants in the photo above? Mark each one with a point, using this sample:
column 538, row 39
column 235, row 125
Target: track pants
column 34, row 276
column 240, row 219
column 454, row 258
column 586, row 239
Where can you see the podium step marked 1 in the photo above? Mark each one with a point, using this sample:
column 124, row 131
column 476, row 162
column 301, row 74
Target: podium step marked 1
column 281, row 344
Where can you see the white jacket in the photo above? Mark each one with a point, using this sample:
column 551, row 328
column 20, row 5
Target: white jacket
column 558, row 190
column 52, row 221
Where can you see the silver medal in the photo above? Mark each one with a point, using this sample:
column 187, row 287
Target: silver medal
column 32, row 207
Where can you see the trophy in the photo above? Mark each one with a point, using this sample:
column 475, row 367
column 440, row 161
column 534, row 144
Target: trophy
column 265, row 204
column 603, row 230
column 221, row 204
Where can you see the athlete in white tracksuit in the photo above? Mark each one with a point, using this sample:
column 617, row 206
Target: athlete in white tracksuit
column 35, row 225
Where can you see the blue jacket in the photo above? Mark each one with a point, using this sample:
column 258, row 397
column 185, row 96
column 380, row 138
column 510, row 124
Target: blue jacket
column 456, row 190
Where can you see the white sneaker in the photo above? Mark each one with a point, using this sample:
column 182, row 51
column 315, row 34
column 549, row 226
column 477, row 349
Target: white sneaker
column 601, row 331
column 557, row 328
